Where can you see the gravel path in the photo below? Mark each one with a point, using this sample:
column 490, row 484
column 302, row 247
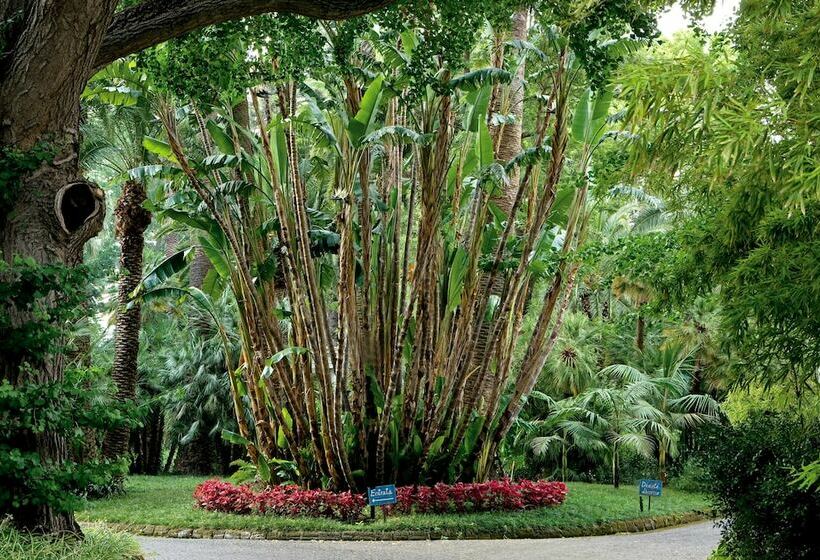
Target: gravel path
column 690, row 542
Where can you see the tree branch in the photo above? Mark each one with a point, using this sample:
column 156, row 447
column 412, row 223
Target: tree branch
column 154, row 21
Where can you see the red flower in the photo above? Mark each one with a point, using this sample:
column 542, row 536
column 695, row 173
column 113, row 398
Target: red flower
column 495, row 495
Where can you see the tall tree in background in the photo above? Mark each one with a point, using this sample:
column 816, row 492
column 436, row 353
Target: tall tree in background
column 132, row 219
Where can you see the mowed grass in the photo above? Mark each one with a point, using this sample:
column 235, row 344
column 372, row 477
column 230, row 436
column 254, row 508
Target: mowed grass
column 168, row 501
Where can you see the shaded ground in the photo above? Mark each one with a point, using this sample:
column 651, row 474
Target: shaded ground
column 690, row 542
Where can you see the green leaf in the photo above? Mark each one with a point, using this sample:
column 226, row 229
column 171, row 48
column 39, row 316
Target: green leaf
column 234, row 438
column 362, row 123
column 282, row 354
column 235, row 187
column 397, row 133
column 158, row 147
column 263, row 469
column 144, row 172
column 287, row 418
column 163, row 271
column 600, row 107
column 455, row 282
column 218, row 161
column 279, row 146
column 435, row 447
column 409, row 41
column 281, row 440
column 471, row 436
column 478, row 101
column 484, row 146
column 221, row 138
column 376, row 390
column 216, row 256
column 417, row 445
column 581, row 119
column 479, row 78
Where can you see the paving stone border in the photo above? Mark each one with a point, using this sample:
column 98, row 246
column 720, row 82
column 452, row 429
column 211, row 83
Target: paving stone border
column 608, row 528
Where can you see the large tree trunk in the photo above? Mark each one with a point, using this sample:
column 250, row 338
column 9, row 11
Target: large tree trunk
column 50, row 49
column 54, row 211
column 131, row 222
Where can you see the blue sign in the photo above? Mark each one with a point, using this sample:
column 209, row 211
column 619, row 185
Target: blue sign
column 382, row 495
column 650, row 487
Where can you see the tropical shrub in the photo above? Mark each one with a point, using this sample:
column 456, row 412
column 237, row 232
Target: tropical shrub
column 495, row 495
column 290, row 500
column 750, row 469
column 215, row 495
column 293, row 501
column 60, row 411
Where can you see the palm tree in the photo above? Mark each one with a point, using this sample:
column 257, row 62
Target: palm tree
column 197, row 401
column 621, row 413
column 668, row 406
column 570, row 426
column 573, row 363
column 120, row 118
column 637, row 294
column 697, row 332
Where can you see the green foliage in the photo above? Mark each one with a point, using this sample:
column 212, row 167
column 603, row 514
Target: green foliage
column 49, row 295
column 593, row 27
column 37, row 410
column 220, row 62
column 749, row 474
column 725, row 128
column 97, row 544
column 49, row 298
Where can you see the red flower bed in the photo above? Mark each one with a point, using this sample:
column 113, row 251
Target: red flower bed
column 496, row 495
column 292, row 501
column 215, row 495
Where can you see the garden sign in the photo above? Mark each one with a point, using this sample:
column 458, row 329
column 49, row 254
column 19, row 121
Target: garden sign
column 648, row 487
column 381, row 496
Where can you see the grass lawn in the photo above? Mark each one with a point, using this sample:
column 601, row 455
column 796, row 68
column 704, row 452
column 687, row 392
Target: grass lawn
column 168, row 501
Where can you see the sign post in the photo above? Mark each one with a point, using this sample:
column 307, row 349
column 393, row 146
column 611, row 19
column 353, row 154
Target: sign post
column 649, row 487
column 381, row 496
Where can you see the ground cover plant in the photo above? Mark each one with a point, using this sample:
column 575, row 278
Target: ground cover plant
column 99, row 544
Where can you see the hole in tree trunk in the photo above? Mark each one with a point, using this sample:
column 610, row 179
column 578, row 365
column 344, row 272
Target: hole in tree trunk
column 75, row 204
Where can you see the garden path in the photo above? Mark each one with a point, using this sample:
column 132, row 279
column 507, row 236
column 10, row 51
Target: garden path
column 690, row 542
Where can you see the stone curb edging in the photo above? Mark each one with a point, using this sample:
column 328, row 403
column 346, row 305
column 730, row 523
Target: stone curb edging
column 608, row 528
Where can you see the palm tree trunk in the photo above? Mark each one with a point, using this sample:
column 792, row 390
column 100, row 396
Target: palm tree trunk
column 640, row 334
column 131, row 222
column 564, row 462
column 171, row 454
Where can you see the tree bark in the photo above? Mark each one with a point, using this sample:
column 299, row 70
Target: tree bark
column 508, row 100
column 51, row 48
column 154, row 21
column 131, row 222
